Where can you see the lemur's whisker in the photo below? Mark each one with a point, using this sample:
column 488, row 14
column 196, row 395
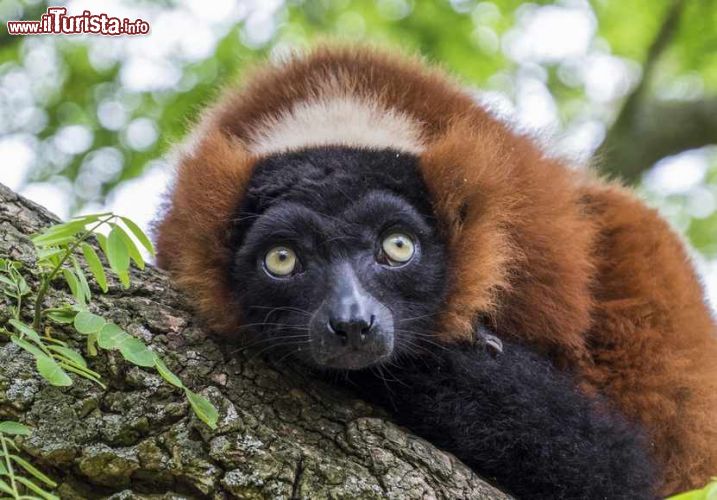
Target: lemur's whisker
column 253, row 325
column 276, row 345
column 423, row 340
column 289, row 353
column 283, row 308
column 379, row 372
column 242, row 219
column 414, row 348
column 413, row 318
column 265, row 340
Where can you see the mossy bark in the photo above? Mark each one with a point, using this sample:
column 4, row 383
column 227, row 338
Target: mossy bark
column 281, row 434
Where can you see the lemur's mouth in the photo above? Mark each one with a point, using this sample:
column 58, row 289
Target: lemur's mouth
column 353, row 344
column 353, row 359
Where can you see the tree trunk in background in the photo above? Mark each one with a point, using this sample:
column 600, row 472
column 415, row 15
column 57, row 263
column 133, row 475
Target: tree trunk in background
column 280, row 435
column 654, row 130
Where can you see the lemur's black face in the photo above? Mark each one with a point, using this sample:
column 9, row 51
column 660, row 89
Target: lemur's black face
column 338, row 263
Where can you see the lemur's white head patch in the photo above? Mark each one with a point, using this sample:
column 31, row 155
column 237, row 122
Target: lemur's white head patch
column 337, row 121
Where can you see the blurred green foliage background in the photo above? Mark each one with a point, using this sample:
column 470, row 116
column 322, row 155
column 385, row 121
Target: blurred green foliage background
column 629, row 86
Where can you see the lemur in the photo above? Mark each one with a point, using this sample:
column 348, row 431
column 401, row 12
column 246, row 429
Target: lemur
column 362, row 210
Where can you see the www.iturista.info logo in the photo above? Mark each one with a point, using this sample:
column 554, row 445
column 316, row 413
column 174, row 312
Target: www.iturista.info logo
column 56, row 21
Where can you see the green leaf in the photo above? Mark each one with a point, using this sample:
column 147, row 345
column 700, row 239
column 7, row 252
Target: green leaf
column 132, row 249
column 92, row 344
column 8, row 282
column 27, row 346
column 166, row 373
column 33, row 471
column 110, row 336
column 22, row 286
column 70, row 354
column 124, row 279
column 85, row 373
column 64, row 316
column 82, row 279
column 74, row 285
column 6, row 487
column 139, row 234
column 52, row 372
column 48, row 253
column 52, row 340
column 136, row 352
column 203, row 408
column 12, row 428
column 25, row 330
column 35, row 488
column 53, row 242
column 51, row 262
column 54, row 238
column 86, row 322
column 95, row 265
column 133, row 350
column 68, row 228
column 102, row 242
column 709, row 492
column 58, row 233
column 117, row 253
column 90, row 218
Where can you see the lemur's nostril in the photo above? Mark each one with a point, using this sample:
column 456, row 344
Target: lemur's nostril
column 336, row 329
column 352, row 328
column 368, row 327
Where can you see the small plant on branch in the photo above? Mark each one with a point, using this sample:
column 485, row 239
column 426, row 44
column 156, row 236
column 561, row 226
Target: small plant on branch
column 61, row 249
column 14, row 469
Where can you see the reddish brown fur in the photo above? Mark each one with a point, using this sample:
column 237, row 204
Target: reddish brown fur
column 578, row 268
column 652, row 344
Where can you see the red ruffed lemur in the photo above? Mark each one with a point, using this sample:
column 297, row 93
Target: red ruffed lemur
column 355, row 209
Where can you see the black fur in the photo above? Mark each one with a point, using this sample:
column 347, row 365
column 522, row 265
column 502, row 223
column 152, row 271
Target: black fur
column 516, row 421
column 331, row 205
column 514, row 418
column 326, row 179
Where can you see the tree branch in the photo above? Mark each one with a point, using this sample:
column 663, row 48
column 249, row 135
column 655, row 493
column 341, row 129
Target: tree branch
column 280, row 435
column 619, row 154
column 659, row 129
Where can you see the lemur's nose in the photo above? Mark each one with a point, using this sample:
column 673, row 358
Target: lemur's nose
column 352, row 329
column 351, row 310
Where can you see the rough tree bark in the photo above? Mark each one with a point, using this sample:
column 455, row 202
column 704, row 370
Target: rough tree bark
column 281, row 435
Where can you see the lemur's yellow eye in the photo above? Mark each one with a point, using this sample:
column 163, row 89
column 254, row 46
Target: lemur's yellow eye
column 398, row 248
column 280, row 261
